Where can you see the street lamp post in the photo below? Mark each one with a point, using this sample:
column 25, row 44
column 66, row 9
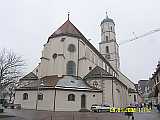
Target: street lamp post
column 54, row 103
column 37, row 89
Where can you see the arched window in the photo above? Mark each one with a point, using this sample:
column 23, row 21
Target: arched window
column 25, row 96
column 71, row 97
column 71, row 48
column 111, row 28
column 71, row 68
column 107, row 39
column 107, row 49
column 40, row 96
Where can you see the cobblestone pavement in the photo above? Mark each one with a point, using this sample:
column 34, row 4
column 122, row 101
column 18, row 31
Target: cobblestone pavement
column 47, row 115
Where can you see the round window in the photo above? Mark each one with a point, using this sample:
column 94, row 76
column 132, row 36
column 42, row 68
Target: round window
column 71, row 48
column 54, row 55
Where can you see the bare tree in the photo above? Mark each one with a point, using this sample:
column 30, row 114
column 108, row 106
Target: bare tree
column 11, row 66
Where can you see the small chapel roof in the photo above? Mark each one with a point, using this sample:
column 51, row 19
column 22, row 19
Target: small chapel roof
column 55, row 82
column 69, row 81
column 29, row 76
column 97, row 72
column 47, row 81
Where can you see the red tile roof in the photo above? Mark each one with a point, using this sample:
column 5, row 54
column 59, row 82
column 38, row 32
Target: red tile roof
column 67, row 29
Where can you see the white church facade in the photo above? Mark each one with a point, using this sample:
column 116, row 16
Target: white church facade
column 73, row 74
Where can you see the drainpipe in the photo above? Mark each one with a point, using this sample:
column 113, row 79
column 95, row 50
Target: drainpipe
column 112, row 93
column 37, row 89
column 78, row 60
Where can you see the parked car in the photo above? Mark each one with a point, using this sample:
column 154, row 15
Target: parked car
column 100, row 108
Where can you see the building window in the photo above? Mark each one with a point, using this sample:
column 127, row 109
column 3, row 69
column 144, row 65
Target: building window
column 106, row 38
column 71, row 68
column 90, row 68
column 25, row 96
column 40, row 96
column 71, row 48
column 54, row 56
column 71, row 97
column 111, row 28
column 95, row 83
column 62, row 39
column 107, row 49
column 134, row 98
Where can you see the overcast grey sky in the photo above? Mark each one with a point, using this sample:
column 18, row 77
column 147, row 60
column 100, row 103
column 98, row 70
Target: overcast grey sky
column 25, row 26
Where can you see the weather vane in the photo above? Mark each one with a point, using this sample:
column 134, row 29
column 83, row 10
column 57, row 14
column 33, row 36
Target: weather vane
column 68, row 15
column 106, row 14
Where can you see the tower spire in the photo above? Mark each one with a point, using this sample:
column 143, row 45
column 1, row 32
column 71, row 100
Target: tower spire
column 106, row 15
column 68, row 15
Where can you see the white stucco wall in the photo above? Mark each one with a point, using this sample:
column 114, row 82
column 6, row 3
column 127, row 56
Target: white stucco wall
column 62, row 103
column 45, row 104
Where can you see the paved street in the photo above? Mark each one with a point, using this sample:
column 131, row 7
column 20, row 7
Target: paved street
column 46, row 115
column 154, row 115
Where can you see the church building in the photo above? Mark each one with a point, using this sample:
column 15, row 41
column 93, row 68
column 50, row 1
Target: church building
column 74, row 75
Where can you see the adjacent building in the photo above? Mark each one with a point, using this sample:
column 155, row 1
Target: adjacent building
column 156, row 88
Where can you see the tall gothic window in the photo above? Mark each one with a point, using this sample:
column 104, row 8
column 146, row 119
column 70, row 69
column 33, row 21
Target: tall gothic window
column 25, row 96
column 71, row 97
column 71, row 68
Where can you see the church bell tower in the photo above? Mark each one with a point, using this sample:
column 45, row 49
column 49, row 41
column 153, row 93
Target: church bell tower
column 108, row 46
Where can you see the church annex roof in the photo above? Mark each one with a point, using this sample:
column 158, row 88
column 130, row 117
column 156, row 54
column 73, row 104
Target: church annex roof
column 47, row 81
column 29, row 76
column 68, row 29
column 97, row 72
column 55, row 82
column 69, row 81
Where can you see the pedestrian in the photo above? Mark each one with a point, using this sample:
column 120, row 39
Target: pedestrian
column 129, row 114
column 151, row 105
column 158, row 107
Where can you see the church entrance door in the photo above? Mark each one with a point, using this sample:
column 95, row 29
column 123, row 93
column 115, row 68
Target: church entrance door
column 83, row 101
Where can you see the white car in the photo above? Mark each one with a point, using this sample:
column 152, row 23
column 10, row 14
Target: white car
column 100, row 108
